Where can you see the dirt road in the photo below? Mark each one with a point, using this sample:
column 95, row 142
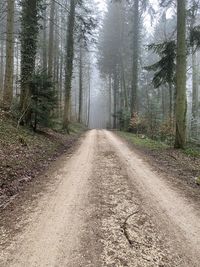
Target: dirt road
column 102, row 206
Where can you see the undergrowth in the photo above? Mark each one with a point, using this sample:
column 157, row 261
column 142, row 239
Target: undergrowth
column 143, row 142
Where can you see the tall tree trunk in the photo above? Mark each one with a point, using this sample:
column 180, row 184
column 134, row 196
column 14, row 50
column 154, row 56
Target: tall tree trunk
column 44, row 45
column 80, row 87
column 110, row 101
column 2, row 69
column 194, row 94
column 69, row 63
column 115, row 92
column 134, row 89
column 181, row 109
column 51, row 39
column 163, row 102
column 171, row 104
column 17, row 69
column 89, row 98
column 28, row 51
column 8, row 84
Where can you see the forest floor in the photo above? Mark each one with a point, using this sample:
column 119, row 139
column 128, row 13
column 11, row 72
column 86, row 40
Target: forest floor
column 25, row 154
column 106, row 204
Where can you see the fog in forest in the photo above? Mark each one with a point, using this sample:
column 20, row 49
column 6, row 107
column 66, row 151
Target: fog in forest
column 127, row 65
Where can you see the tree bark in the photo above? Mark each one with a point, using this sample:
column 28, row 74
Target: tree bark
column 2, row 69
column 134, row 89
column 80, row 87
column 8, row 84
column 51, row 39
column 44, row 46
column 69, row 63
column 195, row 96
column 110, row 101
column 28, row 51
column 180, row 138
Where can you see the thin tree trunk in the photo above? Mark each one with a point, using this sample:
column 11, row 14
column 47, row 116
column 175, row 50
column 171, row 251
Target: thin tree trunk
column 44, row 46
column 110, row 101
column 2, row 70
column 171, row 104
column 115, row 99
column 89, row 98
column 51, row 39
column 8, row 84
column 194, row 94
column 134, row 89
column 163, row 101
column 80, row 87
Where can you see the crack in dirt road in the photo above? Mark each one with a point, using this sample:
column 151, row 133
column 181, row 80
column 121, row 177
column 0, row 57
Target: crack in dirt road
column 83, row 217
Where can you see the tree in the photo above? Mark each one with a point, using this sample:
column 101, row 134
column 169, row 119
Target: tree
column 51, row 39
column 8, row 83
column 165, row 68
column 134, row 86
column 69, row 62
column 80, row 85
column 43, row 100
column 181, row 104
column 29, row 24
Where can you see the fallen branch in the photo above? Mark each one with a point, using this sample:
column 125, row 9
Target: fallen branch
column 125, row 231
column 124, row 227
column 22, row 116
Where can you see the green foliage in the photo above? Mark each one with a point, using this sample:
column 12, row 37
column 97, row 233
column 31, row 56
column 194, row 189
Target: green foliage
column 165, row 68
column 195, row 37
column 43, row 100
column 198, row 180
column 30, row 16
column 86, row 24
column 123, row 117
column 76, row 128
column 192, row 151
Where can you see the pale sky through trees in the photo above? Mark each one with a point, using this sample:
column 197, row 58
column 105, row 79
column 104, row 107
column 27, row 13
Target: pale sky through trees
column 147, row 21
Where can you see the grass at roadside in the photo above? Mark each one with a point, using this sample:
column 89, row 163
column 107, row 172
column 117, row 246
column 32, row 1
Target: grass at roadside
column 148, row 143
column 192, row 151
column 182, row 164
column 142, row 142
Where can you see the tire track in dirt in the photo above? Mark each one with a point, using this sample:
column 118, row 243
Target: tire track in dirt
column 118, row 199
column 104, row 207
column 174, row 214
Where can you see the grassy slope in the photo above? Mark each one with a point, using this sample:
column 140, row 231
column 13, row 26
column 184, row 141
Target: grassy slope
column 24, row 154
column 184, row 164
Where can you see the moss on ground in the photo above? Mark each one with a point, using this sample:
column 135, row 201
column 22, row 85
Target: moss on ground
column 192, row 151
column 198, row 181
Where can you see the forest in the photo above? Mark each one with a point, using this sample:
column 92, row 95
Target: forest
column 145, row 54
column 100, row 133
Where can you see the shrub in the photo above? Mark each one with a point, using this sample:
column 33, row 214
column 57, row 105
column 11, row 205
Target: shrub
column 43, row 100
column 138, row 124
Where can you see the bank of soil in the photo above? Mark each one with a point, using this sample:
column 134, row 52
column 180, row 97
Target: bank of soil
column 25, row 154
